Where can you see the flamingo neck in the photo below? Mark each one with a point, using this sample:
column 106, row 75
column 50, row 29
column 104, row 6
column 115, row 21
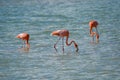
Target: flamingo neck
column 90, row 30
column 68, row 44
column 27, row 43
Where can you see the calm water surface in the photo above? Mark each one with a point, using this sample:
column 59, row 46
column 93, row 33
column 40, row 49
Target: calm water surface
column 94, row 61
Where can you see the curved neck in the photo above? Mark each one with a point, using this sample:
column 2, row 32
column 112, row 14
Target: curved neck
column 67, row 41
column 68, row 44
column 27, row 42
column 92, row 31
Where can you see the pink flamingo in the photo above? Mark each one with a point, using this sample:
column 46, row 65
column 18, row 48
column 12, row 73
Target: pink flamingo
column 62, row 34
column 25, row 38
column 94, row 24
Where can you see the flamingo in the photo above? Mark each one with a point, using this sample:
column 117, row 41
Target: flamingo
column 25, row 38
column 94, row 24
column 62, row 34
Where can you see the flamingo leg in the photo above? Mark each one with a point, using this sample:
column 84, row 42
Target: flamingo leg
column 97, row 30
column 63, row 44
column 23, row 43
column 93, row 37
column 56, row 43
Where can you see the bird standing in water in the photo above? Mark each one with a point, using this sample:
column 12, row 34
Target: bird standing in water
column 62, row 34
column 25, row 38
column 94, row 24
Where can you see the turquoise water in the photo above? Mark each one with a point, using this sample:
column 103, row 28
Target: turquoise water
column 94, row 61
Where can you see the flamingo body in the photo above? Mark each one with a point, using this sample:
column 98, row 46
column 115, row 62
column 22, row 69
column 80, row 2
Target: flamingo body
column 23, row 36
column 93, row 23
column 60, row 33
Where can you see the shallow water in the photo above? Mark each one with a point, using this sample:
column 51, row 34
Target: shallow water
column 94, row 61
